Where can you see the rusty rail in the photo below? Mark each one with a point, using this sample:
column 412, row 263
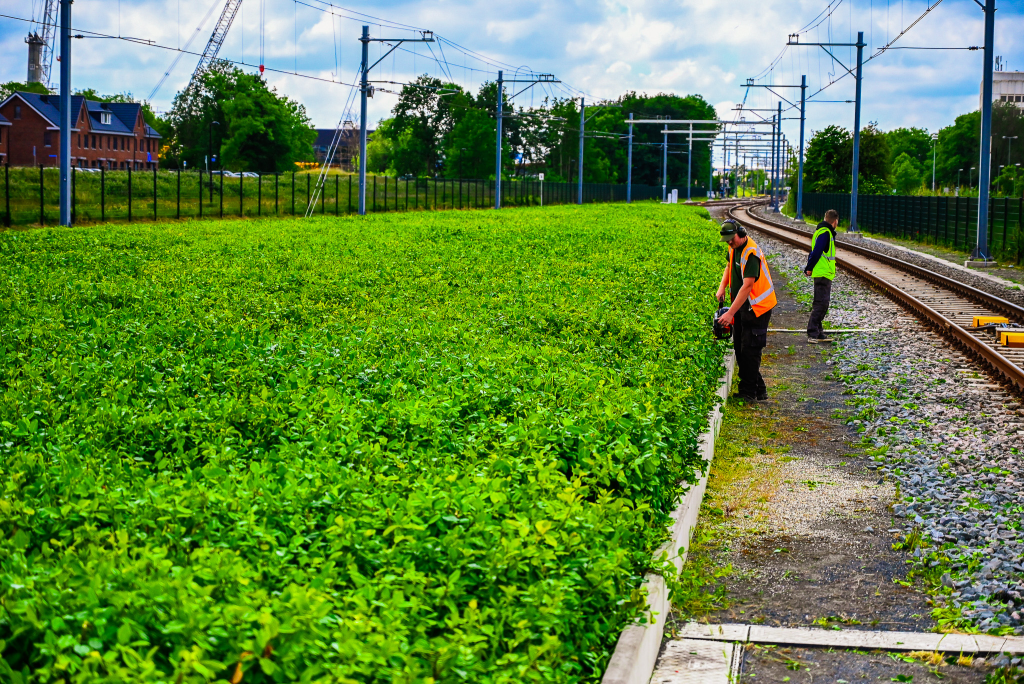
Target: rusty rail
column 1005, row 369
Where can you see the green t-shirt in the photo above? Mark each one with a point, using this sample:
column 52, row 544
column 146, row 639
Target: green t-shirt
column 751, row 270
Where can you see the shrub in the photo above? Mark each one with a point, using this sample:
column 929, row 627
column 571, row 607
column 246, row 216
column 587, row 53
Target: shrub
column 422, row 447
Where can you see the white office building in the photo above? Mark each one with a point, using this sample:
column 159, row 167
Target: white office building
column 1007, row 86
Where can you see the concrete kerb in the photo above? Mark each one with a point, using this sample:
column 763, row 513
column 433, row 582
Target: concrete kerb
column 637, row 650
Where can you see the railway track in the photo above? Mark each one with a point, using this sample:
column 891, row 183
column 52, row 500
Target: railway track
column 946, row 304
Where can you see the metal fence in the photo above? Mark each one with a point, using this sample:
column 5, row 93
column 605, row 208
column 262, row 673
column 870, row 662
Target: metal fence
column 31, row 196
column 950, row 221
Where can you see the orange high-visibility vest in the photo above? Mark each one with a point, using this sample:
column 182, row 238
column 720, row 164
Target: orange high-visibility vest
column 762, row 297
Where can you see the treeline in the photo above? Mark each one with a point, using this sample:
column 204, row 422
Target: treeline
column 900, row 161
column 439, row 128
column 436, row 129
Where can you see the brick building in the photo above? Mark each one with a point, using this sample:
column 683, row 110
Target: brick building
column 103, row 135
column 5, row 134
column 345, row 153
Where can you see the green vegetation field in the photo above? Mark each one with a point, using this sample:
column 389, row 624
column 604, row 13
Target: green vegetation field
column 408, row 448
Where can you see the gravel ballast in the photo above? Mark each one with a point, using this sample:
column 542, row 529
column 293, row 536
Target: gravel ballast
column 948, row 438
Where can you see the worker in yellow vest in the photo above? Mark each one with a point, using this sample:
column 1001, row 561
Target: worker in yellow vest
column 753, row 297
column 821, row 265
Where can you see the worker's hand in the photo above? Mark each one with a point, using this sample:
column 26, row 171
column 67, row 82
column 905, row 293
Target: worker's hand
column 720, row 296
column 726, row 318
column 807, row 272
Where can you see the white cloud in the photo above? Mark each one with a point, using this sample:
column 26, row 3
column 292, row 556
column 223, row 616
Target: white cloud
column 604, row 48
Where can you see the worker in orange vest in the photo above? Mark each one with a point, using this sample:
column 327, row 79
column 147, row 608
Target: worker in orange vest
column 753, row 297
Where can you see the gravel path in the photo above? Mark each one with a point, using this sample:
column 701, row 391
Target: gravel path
column 951, row 441
column 997, row 286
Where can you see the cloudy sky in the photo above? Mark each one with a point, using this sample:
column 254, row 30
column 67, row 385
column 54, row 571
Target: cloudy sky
column 600, row 48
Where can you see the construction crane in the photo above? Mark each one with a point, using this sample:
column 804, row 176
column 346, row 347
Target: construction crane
column 220, row 32
column 40, row 45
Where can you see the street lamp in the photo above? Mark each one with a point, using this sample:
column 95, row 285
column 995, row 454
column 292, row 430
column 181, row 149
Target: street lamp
column 970, row 178
column 209, row 153
column 1009, row 147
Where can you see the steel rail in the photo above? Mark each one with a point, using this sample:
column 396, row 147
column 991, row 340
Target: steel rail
column 1006, row 370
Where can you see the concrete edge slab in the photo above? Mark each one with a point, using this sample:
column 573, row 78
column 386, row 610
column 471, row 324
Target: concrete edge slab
column 636, row 651
column 698, row 661
column 854, row 638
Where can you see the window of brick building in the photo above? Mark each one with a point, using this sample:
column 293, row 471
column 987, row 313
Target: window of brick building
column 46, row 139
column 17, row 111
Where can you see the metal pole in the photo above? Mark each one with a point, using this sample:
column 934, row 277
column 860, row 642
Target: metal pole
column 935, row 138
column 800, row 170
column 65, row 112
column 629, row 163
column 856, row 134
column 984, row 170
column 664, row 163
column 579, row 168
column 363, row 88
column 689, row 163
column 497, row 152
column 771, row 165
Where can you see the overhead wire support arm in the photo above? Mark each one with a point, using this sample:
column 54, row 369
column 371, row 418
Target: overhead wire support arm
column 541, row 78
column 794, row 39
column 366, row 90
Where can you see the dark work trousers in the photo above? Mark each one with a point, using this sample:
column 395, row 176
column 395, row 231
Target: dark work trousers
column 749, row 337
column 822, row 295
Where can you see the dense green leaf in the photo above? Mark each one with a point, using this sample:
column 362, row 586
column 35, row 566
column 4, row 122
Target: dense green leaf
column 417, row 448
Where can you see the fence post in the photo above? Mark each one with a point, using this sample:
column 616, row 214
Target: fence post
column 308, row 196
column 222, row 193
column 7, row 194
column 277, row 177
column 74, row 204
column 154, row 193
column 259, row 194
column 241, row 194
column 374, row 193
column 337, row 196
column 129, row 193
column 1006, row 218
column 407, row 193
column 177, row 201
column 199, row 180
column 349, row 194
column 293, row 193
column 42, row 217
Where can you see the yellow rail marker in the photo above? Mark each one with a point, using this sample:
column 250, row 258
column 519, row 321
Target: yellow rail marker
column 1012, row 339
column 985, row 320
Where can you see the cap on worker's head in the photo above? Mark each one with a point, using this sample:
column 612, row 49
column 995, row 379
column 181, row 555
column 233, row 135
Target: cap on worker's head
column 729, row 230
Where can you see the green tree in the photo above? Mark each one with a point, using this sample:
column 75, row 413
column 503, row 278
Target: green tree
column 958, row 149
column 908, row 178
column 9, row 88
column 380, row 148
column 827, row 162
column 916, row 143
column 258, row 129
column 470, row 150
column 875, row 163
